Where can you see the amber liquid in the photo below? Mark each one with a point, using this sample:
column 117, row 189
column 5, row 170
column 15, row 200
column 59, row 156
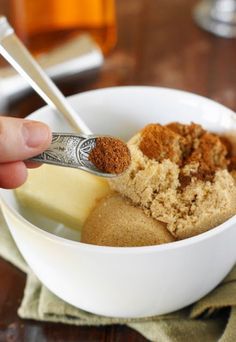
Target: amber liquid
column 42, row 24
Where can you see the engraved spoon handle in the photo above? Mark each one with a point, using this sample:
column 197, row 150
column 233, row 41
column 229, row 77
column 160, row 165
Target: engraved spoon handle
column 19, row 57
column 70, row 150
column 73, row 150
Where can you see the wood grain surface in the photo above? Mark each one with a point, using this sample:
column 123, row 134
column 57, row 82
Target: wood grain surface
column 159, row 45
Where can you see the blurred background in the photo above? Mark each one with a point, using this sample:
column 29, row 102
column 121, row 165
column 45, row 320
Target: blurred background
column 150, row 42
column 90, row 44
column 43, row 24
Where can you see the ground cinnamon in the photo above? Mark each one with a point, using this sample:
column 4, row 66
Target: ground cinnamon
column 159, row 143
column 110, row 155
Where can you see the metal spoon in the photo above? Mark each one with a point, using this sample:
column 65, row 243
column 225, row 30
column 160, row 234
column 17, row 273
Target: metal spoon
column 66, row 149
column 71, row 150
column 19, row 57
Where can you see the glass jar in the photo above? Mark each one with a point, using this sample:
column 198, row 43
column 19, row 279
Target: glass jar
column 45, row 23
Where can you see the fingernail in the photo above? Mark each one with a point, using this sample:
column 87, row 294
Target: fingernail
column 35, row 133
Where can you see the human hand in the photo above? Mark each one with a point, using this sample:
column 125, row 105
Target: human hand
column 20, row 139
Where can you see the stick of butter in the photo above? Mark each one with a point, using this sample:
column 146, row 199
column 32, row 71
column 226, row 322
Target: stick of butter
column 63, row 194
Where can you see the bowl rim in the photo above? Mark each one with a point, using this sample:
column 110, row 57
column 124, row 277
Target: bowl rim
column 143, row 87
column 130, row 250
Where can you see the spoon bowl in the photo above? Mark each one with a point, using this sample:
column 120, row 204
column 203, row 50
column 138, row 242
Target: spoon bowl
column 73, row 150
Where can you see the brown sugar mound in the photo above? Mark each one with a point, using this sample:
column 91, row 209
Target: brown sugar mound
column 232, row 164
column 116, row 222
column 110, row 155
column 190, row 133
column 179, row 175
column 210, row 156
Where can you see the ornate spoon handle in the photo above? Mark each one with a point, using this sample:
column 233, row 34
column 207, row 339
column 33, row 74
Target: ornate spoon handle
column 71, row 150
column 78, row 151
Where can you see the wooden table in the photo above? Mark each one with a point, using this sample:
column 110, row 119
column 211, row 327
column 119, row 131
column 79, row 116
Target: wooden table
column 159, row 45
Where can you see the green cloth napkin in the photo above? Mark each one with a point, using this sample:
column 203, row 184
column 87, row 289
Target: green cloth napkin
column 211, row 319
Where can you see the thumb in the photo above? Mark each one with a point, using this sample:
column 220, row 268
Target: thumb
column 21, row 139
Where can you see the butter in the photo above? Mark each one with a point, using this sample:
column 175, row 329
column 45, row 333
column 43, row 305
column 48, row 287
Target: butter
column 62, row 194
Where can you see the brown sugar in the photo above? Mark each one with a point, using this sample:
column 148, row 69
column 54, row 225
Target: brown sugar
column 116, row 222
column 190, row 194
column 190, row 133
column 232, row 164
column 225, row 141
column 211, row 156
column 110, row 155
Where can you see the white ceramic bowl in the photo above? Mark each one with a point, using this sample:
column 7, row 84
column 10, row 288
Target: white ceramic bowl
column 138, row 281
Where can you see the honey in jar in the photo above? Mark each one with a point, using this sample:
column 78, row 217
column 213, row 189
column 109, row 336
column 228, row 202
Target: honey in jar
column 46, row 23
